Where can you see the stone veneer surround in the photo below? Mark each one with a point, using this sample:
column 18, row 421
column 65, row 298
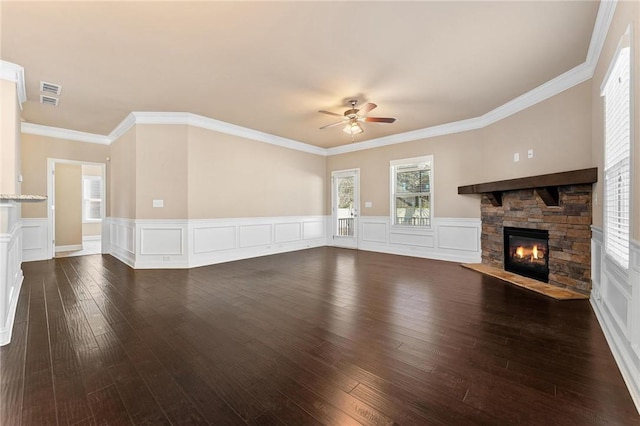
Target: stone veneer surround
column 569, row 226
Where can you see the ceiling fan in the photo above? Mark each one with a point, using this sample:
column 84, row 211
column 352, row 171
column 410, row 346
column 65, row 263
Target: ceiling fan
column 354, row 116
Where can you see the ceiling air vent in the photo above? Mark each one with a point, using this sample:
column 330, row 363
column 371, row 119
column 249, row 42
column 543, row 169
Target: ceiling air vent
column 50, row 88
column 48, row 100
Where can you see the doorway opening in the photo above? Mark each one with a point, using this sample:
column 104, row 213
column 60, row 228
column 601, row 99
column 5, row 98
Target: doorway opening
column 345, row 207
column 76, row 202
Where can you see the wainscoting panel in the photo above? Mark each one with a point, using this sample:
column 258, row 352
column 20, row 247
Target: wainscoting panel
column 287, row 232
column 451, row 239
column 34, row 239
column 122, row 239
column 10, row 271
column 615, row 299
column 163, row 241
column 200, row 242
column 375, row 232
column 313, row 229
column 255, row 235
column 462, row 236
column 403, row 238
column 213, row 238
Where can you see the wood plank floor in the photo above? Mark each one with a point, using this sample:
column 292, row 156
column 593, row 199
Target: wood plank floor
column 320, row 336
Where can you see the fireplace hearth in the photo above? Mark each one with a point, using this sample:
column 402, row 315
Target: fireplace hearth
column 526, row 252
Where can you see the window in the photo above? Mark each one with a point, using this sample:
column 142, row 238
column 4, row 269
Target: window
column 91, row 198
column 617, row 155
column 411, row 186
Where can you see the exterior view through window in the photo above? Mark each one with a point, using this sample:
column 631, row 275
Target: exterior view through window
column 411, row 191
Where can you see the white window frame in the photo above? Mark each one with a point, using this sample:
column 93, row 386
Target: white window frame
column 85, row 219
column 408, row 162
column 617, row 244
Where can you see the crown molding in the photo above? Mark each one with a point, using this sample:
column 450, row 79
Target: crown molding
column 171, row 118
column 122, row 128
column 13, row 72
column 59, row 133
column 606, row 10
column 195, row 120
column 567, row 80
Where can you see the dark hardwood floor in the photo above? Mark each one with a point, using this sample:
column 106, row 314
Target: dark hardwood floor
column 320, row 336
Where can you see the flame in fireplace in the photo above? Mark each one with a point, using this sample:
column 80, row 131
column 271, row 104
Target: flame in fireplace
column 532, row 254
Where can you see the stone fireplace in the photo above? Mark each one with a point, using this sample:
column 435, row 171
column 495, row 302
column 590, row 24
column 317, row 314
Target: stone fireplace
column 556, row 208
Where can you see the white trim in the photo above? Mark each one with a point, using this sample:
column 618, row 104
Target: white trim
column 450, row 239
column 551, row 88
column 59, row 133
column 13, row 72
column 615, row 299
column 171, row 118
column 72, row 247
column 11, row 275
column 606, row 10
column 91, row 238
column 34, row 238
column 184, row 243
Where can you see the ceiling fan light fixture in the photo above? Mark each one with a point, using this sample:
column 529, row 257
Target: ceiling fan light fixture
column 353, row 128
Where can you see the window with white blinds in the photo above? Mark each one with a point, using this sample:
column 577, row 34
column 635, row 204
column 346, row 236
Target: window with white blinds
column 617, row 157
column 92, row 198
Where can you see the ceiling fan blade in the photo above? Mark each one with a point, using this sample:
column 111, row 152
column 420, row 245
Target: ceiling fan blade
column 330, row 113
column 379, row 119
column 332, row 124
column 366, row 108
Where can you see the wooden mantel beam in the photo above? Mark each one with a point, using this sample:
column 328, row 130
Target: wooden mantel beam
column 575, row 177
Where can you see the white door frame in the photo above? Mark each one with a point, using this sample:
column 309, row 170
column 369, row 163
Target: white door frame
column 51, row 193
column 340, row 241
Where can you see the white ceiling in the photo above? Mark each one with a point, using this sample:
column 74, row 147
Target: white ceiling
column 270, row 66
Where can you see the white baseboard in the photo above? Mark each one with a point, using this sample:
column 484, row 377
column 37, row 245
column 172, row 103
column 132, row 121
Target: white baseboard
column 91, row 238
column 73, row 247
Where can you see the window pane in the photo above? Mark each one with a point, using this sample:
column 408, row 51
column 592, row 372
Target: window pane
column 412, row 210
column 93, row 209
column 412, row 180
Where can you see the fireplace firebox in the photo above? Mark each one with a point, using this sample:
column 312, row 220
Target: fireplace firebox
column 526, row 252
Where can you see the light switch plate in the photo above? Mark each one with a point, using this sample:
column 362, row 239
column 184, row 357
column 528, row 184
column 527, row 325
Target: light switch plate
column 368, row 204
column 516, row 157
column 530, row 153
column 158, row 203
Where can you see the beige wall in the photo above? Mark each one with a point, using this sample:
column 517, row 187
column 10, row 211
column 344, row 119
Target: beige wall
column 121, row 181
column 68, row 188
column 454, row 157
column 9, row 138
column 627, row 12
column 202, row 174
column 233, row 177
column 557, row 129
column 36, row 150
column 161, row 171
